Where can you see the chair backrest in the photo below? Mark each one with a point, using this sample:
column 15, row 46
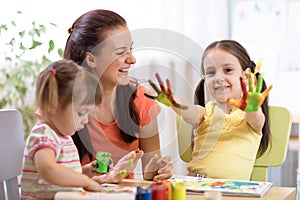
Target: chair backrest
column 280, row 125
column 11, row 152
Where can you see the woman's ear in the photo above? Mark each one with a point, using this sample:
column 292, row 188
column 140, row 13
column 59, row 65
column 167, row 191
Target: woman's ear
column 246, row 74
column 90, row 60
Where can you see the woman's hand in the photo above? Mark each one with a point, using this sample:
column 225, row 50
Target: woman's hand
column 164, row 95
column 158, row 168
column 129, row 161
column 252, row 99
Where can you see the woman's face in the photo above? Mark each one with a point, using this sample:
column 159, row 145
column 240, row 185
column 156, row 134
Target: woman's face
column 222, row 75
column 115, row 57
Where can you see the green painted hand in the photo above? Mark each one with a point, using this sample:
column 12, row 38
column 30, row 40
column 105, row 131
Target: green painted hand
column 164, row 95
column 252, row 99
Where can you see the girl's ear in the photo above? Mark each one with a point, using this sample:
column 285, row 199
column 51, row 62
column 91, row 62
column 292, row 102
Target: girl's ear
column 90, row 60
column 246, row 74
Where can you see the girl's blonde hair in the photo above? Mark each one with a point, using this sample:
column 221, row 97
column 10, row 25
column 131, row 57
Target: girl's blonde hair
column 62, row 81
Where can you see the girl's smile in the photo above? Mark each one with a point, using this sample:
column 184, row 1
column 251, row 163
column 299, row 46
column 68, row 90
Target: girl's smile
column 222, row 75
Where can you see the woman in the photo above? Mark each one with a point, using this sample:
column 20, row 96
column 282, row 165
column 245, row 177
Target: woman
column 125, row 120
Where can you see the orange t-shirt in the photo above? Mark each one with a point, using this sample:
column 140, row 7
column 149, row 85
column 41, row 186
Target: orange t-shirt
column 107, row 137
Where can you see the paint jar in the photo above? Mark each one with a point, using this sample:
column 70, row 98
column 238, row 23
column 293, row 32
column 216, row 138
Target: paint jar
column 158, row 191
column 178, row 191
column 168, row 188
column 143, row 193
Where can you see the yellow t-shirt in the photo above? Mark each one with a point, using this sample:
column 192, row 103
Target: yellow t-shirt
column 225, row 146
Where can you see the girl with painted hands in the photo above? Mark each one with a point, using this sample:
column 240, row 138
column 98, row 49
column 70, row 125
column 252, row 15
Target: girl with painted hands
column 232, row 125
column 125, row 120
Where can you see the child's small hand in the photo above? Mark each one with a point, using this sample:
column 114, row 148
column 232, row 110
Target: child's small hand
column 90, row 169
column 164, row 95
column 93, row 186
column 158, row 168
column 252, row 99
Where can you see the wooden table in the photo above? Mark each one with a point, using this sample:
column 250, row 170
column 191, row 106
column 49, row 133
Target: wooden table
column 275, row 193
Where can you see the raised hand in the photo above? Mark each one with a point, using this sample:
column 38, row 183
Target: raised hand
column 164, row 95
column 252, row 99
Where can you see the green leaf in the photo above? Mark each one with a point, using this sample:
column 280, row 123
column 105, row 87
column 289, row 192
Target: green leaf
column 21, row 90
column 60, row 52
column 3, row 103
column 45, row 60
column 53, row 24
column 42, row 28
column 11, row 42
column 37, row 31
column 35, row 44
column 22, row 33
column 3, row 27
column 22, row 47
column 7, row 58
column 51, row 46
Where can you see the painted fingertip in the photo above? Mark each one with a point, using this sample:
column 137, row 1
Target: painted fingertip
column 131, row 161
column 138, row 151
column 133, row 155
column 123, row 172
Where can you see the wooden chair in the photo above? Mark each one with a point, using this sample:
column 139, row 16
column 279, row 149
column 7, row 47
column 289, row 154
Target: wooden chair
column 11, row 153
column 280, row 125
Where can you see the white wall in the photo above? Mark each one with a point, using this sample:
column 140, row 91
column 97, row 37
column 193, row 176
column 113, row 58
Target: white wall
column 270, row 31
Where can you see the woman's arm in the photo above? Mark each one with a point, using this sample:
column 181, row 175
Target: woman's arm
column 57, row 174
column 154, row 167
column 149, row 142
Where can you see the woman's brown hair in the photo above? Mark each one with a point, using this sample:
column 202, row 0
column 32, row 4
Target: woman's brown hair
column 86, row 33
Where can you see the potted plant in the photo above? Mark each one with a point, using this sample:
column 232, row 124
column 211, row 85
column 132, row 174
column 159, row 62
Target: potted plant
column 26, row 51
